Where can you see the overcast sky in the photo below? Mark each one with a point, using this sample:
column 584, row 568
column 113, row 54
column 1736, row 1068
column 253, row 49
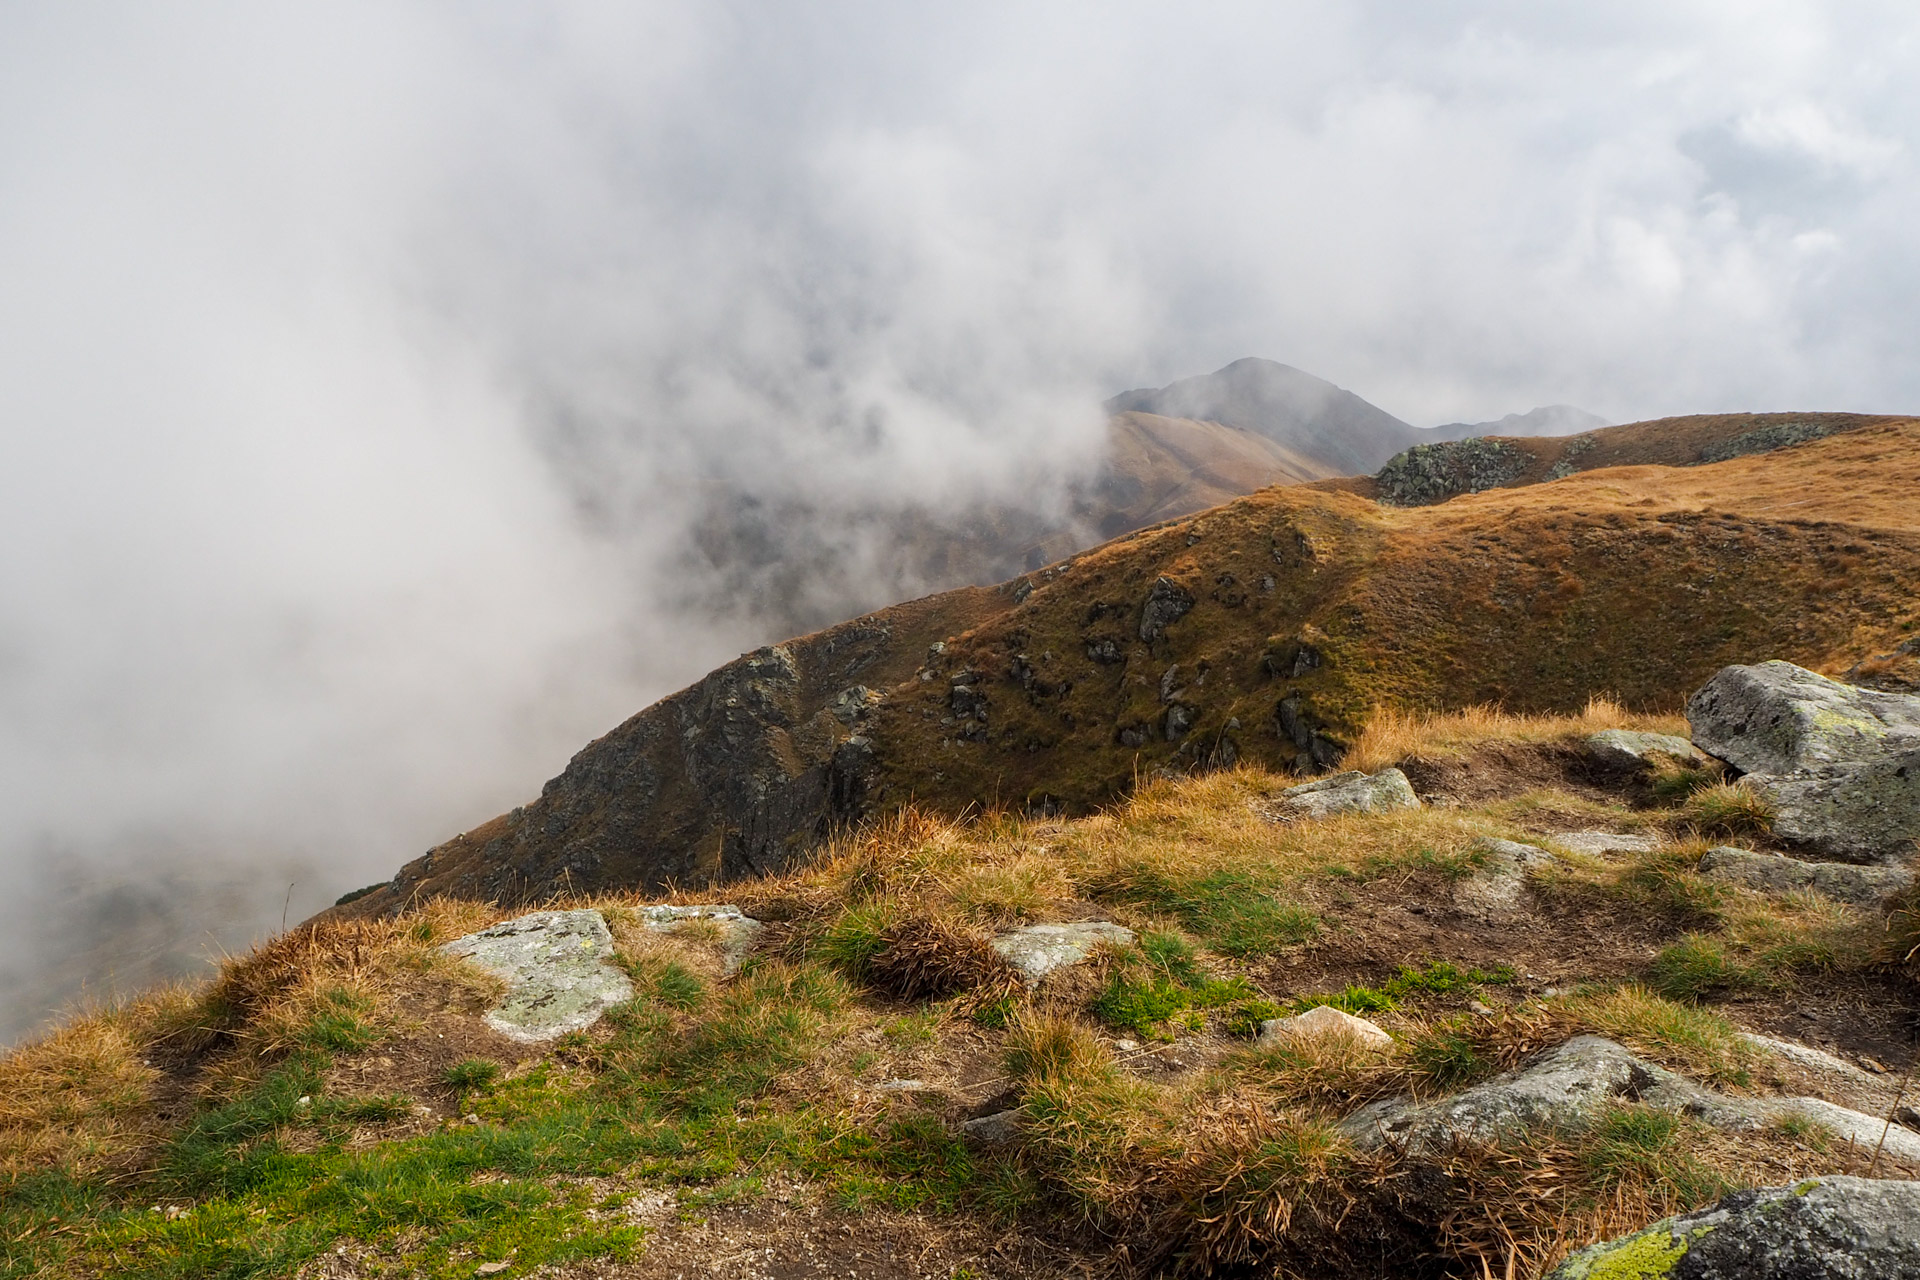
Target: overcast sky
column 362, row 365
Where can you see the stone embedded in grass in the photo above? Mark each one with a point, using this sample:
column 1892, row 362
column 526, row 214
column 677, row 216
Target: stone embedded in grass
column 1567, row 1087
column 1829, row 1228
column 1773, row 873
column 736, row 930
column 1839, row 764
column 1038, row 949
column 1324, row 1022
column 1631, row 751
column 1350, row 792
column 1597, row 844
column 1498, row 888
column 555, row 966
column 1001, row 1126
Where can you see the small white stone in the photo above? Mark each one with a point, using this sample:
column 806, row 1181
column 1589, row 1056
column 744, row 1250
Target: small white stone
column 1324, row 1021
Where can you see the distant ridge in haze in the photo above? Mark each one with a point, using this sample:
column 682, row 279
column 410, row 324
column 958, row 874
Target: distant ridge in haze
column 1307, row 415
column 1547, row 420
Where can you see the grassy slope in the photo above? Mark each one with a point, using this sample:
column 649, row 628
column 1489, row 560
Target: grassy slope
column 305, row 1111
column 1636, row 581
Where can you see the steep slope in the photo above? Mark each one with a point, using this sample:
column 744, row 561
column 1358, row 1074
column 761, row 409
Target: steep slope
column 1264, row 630
column 1308, row 415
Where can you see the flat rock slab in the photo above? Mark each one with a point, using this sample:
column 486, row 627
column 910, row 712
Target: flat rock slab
column 556, row 970
column 1630, row 751
column 734, row 930
column 1598, row 844
column 1773, row 873
column 1350, row 792
column 1324, row 1022
column 1833, row 1228
column 1840, row 764
column 1037, row 950
column 1568, row 1086
column 1499, row 887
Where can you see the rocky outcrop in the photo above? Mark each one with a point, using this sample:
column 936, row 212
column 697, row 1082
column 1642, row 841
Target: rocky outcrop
column 1430, row 473
column 1840, row 764
column 734, row 931
column 1776, row 873
column 1777, row 435
column 1832, row 1228
column 1350, row 792
column 556, row 970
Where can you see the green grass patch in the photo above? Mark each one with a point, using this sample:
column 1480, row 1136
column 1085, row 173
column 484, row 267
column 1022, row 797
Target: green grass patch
column 1440, row 978
column 1234, row 911
column 1161, row 983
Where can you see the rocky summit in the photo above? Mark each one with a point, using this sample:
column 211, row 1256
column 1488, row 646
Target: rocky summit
column 1517, row 882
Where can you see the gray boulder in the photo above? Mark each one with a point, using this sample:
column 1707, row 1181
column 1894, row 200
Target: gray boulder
column 1498, row 887
column 1840, row 764
column 1349, row 792
column 1773, row 873
column 555, row 967
column 1832, row 1228
column 1629, row 750
column 1037, row 950
column 731, row 928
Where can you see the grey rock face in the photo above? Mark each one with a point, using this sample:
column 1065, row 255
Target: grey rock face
column 1499, row 887
column 1349, row 792
column 1840, row 764
column 1429, row 473
column 1833, row 1228
column 1167, row 603
column 1038, row 949
column 734, row 930
column 1628, row 750
column 1770, row 872
column 556, row 970
column 1001, row 1126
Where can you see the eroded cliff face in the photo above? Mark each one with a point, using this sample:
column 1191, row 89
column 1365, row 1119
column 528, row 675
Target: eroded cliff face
column 1264, row 630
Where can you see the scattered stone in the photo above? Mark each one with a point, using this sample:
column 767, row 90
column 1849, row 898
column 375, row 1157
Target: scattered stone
column 1349, row 792
column 1597, row 844
column 736, row 931
column 1323, row 1022
column 491, row 1268
column 1830, row 1228
column 1167, row 603
column 1777, row 435
column 1775, row 873
column 1036, row 950
column 1499, row 887
column 1001, row 1126
column 1126, row 1046
column 1840, row 764
column 1631, row 751
column 556, row 970
column 901, row 1086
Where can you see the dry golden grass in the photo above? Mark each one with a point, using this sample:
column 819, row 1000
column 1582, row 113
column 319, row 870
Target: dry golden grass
column 1392, row 735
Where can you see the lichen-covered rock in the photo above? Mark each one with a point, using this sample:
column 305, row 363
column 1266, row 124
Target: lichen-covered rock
column 1429, row 473
column 556, row 970
column 1167, row 603
column 1350, row 792
column 734, row 930
column 1833, row 1228
column 1773, row 873
column 1630, row 750
column 1324, row 1022
column 1037, row 950
column 1840, row 764
column 1498, row 887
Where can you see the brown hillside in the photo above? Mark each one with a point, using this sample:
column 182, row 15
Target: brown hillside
column 1264, row 630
